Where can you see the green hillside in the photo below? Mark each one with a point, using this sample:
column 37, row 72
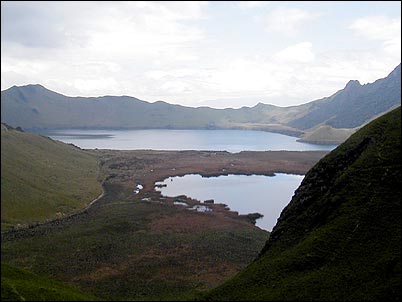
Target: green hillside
column 20, row 285
column 327, row 135
column 340, row 236
column 42, row 178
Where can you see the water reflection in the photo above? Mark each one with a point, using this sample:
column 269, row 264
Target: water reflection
column 162, row 139
column 245, row 194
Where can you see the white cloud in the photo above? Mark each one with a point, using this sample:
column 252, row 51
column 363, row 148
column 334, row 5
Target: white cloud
column 82, row 44
column 173, row 87
column 242, row 75
column 252, row 4
column 180, row 52
column 288, row 20
column 381, row 28
column 299, row 53
column 97, row 85
column 377, row 27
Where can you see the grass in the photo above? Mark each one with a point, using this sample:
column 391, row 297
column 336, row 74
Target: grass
column 118, row 252
column 327, row 135
column 20, row 285
column 43, row 179
column 123, row 248
column 340, row 237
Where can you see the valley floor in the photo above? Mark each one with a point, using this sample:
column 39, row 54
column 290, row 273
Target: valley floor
column 140, row 246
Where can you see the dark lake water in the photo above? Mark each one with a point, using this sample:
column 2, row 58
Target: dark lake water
column 245, row 194
column 161, row 139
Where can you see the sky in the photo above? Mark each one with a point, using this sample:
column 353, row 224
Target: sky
column 218, row 53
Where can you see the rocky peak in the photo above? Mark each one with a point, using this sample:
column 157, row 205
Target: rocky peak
column 352, row 84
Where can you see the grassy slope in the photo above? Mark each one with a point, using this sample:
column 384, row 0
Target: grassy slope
column 340, row 237
column 327, row 135
column 20, row 285
column 41, row 177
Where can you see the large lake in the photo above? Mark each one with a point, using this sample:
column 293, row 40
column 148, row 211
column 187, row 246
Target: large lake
column 267, row 195
column 161, row 139
column 244, row 194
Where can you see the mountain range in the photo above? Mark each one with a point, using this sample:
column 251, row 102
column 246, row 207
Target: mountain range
column 328, row 120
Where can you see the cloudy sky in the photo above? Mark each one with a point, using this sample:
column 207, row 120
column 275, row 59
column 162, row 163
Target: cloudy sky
column 220, row 54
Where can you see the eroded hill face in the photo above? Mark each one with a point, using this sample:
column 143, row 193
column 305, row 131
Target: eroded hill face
column 340, row 236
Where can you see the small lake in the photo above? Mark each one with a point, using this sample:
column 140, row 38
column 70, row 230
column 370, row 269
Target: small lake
column 163, row 139
column 267, row 195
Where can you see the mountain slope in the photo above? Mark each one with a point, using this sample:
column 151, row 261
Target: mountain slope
column 34, row 106
column 20, row 285
column 340, row 236
column 355, row 104
column 42, row 178
column 327, row 135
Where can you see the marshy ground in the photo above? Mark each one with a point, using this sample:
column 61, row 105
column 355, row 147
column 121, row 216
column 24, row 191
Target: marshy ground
column 140, row 245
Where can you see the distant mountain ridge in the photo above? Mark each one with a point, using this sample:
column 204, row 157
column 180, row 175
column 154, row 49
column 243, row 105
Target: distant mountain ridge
column 35, row 107
column 355, row 104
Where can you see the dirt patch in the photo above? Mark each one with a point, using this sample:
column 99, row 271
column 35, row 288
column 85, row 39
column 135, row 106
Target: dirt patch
column 184, row 222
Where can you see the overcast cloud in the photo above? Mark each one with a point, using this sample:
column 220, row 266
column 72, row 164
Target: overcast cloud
column 195, row 53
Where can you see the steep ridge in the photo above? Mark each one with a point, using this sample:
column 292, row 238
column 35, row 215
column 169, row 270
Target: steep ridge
column 340, row 236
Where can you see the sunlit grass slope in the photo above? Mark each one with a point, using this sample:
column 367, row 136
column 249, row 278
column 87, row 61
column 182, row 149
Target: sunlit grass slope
column 327, row 135
column 20, row 285
column 42, row 178
column 340, row 236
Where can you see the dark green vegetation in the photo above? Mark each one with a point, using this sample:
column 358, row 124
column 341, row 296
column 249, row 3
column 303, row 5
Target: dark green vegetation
column 340, row 236
column 42, row 178
column 21, row 285
column 34, row 106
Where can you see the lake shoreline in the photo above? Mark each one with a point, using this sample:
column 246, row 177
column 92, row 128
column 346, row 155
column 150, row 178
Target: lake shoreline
column 232, row 140
column 159, row 230
column 296, row 133
column 180, row 163
column 247, row 194
column 164, row 164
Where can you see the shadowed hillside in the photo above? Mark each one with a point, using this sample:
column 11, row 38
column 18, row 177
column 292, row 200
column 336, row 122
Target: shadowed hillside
column 340, row 236
column 42, row 178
